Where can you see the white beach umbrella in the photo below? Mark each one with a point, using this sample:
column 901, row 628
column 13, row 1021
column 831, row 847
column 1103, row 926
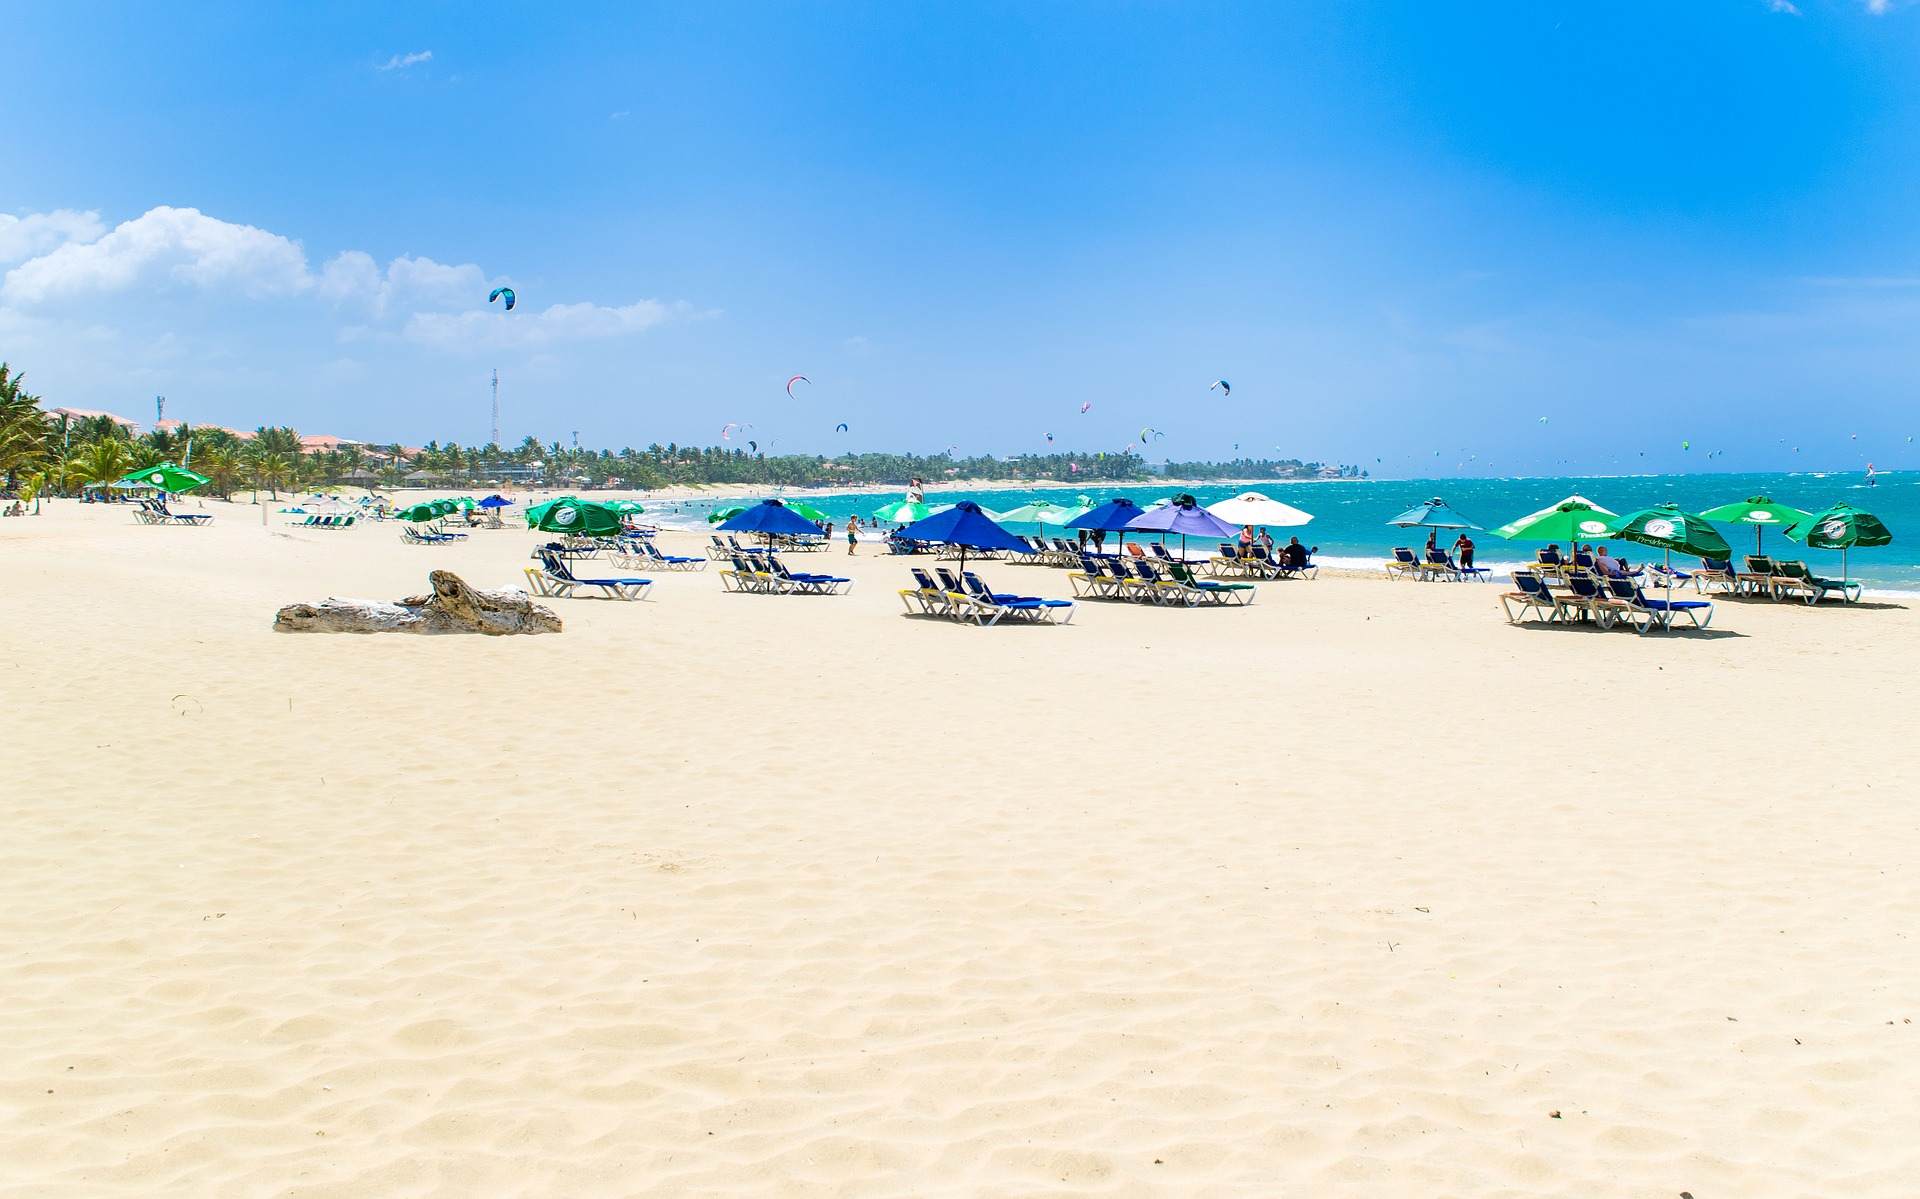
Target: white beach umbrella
column 1252, row 508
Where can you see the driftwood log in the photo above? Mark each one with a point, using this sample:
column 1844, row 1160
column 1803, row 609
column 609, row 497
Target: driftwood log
column 453, row 607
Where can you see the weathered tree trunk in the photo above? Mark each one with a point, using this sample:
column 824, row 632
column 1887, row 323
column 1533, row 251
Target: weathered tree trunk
column 453, row 607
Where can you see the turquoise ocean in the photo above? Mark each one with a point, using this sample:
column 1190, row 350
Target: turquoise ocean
column 1349, row 516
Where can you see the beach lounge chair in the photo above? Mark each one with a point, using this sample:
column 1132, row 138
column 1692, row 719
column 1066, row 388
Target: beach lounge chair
column 1531, row 595
column 988, row 606
column 1758, row 576
column 744, row 576
column 1793, row 578
column 1659, row 612
column 413, row 536
column 1589, row 597
column 1404, row 565
column 553, row 577
column 1658, row 574
column 1227, row 564
column 798, row 583
column 1180, row 585
column 672, row 561
column 1440, row 565
column 717, row 550
column 1308, row 568
column 641, row 553
column 924, row 596
column 1092, row 580
column 1715, row 572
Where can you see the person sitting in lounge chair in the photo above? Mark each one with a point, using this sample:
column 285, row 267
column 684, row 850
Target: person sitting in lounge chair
column 1295, row 555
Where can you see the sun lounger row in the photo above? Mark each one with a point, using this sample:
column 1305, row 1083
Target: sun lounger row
column 1605, row 602
column 966, row 597
column 325, row 522
column 1437, row 564
column 641, row 554
column 722, row 549
column 1254, row 562
column 1140, row 580
column 413, row 536
column 765, row 574
column 1778, row 580
column 156, row 512
column 554, row 577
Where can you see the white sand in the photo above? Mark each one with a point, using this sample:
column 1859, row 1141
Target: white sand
column 734, row 895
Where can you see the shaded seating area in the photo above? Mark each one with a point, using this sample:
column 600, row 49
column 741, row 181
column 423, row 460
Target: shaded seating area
column 765, row 574
column 414, row 536
column 154, row 511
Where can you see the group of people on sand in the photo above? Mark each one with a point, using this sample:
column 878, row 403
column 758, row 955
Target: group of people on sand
column 1292, row 555
column 1604, row 563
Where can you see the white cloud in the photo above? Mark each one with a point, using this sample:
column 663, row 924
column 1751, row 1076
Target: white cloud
column 1879, row 7
column 183, row 245
column 77, row 269
column 558, row 323
column 36, row 233
column 1783, row 6
column 350, row 275
column 401, row 62
column 622, row 115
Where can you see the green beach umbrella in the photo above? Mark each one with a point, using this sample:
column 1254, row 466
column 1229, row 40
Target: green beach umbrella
column 1758, row 511
column 166, row 477
column 420, row 513
column 903, row 511
column 727, row 513
column 625, row 507
column 1039, row 512
column 802, row 508
column 1569, row 520
column 1841, row 527
column 1667, row 528
column 574, row 517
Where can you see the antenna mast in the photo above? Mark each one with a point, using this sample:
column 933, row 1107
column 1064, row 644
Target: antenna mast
column 496, row 406
column 159, row 410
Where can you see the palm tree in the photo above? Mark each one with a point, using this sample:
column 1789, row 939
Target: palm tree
column 104, row 462
column 270, row 469
column 224, row 468
column 23, row 426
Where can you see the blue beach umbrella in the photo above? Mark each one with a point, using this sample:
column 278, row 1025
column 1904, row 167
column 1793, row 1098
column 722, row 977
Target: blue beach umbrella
column 1431, row 516
column 770, row 518
column 1111, row 517
column 967, row 526
column 1182, row 515
column 1434, row 514
column 495, row 501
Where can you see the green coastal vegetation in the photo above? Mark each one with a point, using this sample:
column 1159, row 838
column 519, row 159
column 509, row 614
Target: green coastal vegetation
column 46, row 453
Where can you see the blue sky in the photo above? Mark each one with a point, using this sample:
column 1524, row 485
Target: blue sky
column 1397, row 228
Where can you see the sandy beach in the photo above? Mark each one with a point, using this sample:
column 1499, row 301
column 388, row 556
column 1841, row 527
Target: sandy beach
column 1355, row 892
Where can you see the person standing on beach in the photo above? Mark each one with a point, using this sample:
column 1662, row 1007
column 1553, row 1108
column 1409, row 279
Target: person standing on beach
column 853, row 534
column 1463, row 546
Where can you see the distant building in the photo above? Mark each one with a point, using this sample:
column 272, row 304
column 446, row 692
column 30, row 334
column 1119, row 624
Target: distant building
column 79, row 414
